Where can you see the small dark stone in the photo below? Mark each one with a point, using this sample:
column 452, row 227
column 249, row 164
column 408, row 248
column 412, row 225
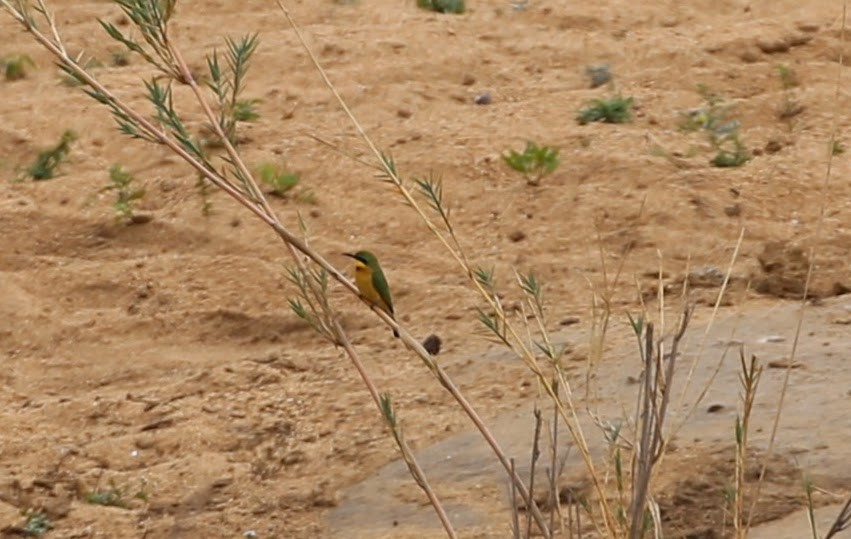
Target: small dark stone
column 569, row 321
column 840, row 289
column 714, row 408
column 404, row 113
column 432, row 344
column 773, row 46
column 750, row 56
column 733, row 210
column 773, row 146
column 599, row 74
column 468, row 80
column 517, row 235
column 483, row 99
column 141, row 218
column 808, row 27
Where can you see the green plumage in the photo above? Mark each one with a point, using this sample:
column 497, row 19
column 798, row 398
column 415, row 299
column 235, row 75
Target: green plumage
column 371, row 282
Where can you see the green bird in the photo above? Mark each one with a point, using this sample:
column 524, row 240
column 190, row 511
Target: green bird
column 371, row 282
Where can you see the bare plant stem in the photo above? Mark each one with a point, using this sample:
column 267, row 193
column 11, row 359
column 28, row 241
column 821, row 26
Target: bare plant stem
column 842, row 522
column 512, row 500
column 749, row 378
column 536, row 453
column 555, row 469
column 658, row 378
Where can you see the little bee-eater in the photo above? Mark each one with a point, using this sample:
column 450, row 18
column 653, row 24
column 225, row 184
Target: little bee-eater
column 371, row 282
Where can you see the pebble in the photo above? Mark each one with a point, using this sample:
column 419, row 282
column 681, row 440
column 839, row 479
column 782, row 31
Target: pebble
column 599, row 74
column 517, row 235
column 483, row 99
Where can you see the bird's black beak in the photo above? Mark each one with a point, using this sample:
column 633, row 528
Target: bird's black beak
column 350, row 255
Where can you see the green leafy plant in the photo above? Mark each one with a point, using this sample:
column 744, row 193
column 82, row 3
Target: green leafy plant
column 722, row 132
column 17, row 66
column 46, row 164
column 837, row 147
column 280, row 180
column 227, row 84
column 613, row 110
column 534, row 162
column 37, row 524
column 442, row 6
column 731, row 152
column 788, row 82
column 114, row 496
column 244, row 110
column 126, row 194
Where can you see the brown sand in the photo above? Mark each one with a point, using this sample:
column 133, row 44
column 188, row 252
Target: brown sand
column 163, row 358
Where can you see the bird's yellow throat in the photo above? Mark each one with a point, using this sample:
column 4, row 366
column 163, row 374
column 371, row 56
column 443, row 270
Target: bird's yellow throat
column 363, row 280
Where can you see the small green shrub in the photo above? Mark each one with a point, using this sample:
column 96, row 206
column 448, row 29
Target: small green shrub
column 280, row 180
column 126, row 194
column 47, row 162
column 116, row 496
column 442, row 6
column 614, row 110
column 37, row 524
column 16, row 66
column 534, row 162
column 790, row 106
column 734, row 155
column 244, row 111
column 107, row 497
column 721, row 131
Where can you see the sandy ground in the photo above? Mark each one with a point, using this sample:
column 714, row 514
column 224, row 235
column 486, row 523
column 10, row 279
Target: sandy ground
column 162, row 358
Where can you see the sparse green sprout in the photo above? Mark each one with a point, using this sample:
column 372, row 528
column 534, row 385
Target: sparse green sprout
column 614, row 110
column 788, row 82
column 244, row 110
column 837, row 147
column 723, row 133
column 126, row 194
column 37, row 524
column 227, row 79
column 534, row 162
column 120, row 58
column 442, row 6
column 47, row 161
column 788, row 76
column 17, row 66
column 307, row 197
column 204, row 189
column 734, row 157
column 598, row 75
column 280, row 180
column 108, row 497
column 115, row 496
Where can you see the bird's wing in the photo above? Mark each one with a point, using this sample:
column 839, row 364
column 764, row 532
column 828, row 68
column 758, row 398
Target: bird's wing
column 380, row 284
